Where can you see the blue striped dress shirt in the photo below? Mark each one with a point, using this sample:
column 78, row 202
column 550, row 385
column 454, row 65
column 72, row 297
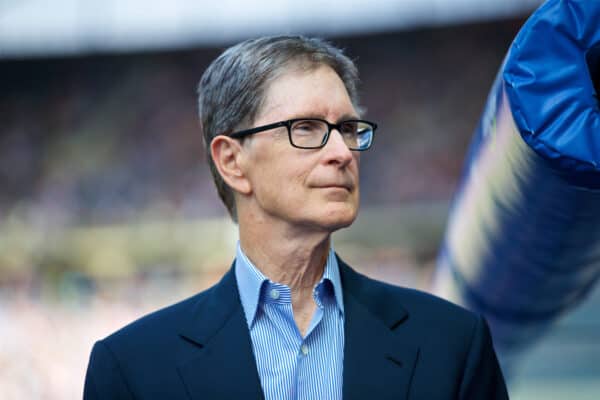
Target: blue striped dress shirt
column 291, row 366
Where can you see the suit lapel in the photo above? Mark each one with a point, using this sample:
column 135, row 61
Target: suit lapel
column 379, row 358
column 222, row 365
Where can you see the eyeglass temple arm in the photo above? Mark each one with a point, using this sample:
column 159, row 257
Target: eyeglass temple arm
column 251, row 131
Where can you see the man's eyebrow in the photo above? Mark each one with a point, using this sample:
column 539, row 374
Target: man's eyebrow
column 344, row 117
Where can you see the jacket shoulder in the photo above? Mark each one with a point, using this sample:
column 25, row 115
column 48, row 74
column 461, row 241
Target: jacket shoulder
column 422, row 308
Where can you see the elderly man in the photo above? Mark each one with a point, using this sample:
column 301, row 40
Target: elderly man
column 291, row 320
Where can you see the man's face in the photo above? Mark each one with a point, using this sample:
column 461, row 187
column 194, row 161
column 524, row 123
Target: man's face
column 316, row 189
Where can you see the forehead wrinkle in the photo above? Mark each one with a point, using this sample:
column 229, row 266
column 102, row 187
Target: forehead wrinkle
column 283, row 101
column 310, row 110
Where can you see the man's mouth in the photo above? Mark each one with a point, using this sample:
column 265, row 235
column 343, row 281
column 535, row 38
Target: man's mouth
column 336, row 186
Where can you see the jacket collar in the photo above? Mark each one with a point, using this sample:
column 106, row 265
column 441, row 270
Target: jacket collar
column 379, row 357
column 223, row 366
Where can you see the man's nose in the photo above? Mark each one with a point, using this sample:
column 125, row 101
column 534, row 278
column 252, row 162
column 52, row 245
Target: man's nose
column 337, row 149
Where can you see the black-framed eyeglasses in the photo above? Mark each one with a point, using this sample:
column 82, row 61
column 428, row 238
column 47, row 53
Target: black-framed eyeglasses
column 313, row 133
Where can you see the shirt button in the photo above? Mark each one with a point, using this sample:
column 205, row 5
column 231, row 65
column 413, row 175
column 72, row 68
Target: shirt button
column 275, row 294
column 304, row 349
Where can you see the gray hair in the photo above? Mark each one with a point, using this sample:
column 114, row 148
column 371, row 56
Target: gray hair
column 232, row 89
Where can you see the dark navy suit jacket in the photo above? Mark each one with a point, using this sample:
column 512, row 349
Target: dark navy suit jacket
column 399, row 344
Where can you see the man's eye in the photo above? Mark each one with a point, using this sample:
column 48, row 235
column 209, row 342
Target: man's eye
column 306, row 127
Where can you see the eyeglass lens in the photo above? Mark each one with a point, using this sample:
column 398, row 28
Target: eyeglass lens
column 313, row 133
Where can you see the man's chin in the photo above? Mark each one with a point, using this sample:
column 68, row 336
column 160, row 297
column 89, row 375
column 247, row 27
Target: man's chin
column 339, row 226
column 339, row 220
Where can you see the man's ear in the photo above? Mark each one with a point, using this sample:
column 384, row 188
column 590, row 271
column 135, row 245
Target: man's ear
column 226, row 153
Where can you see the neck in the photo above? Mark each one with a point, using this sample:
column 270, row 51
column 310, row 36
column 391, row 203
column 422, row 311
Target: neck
column 292, row 259
column 291, row 254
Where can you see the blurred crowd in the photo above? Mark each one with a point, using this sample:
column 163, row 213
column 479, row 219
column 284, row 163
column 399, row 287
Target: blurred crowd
column 103, row 138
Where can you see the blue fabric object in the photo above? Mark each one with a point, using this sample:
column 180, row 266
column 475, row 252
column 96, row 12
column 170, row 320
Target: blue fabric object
column 291, row 366
column 522, row 245
column 548, row 75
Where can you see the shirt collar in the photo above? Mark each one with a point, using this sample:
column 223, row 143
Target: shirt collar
column 250, row 281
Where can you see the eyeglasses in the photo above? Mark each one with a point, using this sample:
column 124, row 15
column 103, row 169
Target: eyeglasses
column 313, row 133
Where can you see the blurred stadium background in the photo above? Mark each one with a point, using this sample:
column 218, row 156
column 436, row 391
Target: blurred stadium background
column 107, row 208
